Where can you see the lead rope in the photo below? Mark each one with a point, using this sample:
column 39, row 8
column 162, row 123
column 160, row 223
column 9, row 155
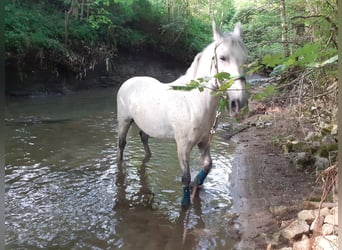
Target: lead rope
column 218, row 113
column 222, row 99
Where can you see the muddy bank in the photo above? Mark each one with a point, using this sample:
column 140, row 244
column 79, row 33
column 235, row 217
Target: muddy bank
column 262, row 181
column 102, row 72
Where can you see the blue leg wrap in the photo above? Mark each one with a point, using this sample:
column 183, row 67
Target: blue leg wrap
column 186, row 197
column 201, row 177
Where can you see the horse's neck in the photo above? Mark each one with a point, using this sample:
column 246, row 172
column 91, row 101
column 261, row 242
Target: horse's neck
column 200, row 68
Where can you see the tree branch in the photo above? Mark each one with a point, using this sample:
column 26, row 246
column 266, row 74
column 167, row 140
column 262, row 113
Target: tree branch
column 328, row 19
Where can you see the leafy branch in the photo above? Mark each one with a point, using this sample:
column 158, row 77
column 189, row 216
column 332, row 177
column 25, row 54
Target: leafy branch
column 224, row 81
column 223, row 78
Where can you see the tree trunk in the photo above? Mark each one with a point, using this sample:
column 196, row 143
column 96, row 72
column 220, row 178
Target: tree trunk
column 82, row 9
column 169, row 10
column 88, row 3
column 74, row 8
column 66, row 21
column 284, row 28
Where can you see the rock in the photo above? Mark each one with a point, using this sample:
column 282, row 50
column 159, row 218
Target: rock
column 328, row 139
column 278, row 210
column 334, row 130
column 313, row 136
column 334, row 210
column 302, row 245
column 302, row 160
column 296, row 146
column 296, row 229
column 331, row 219
column 272, row 240
column 325, row 150
column 327, row 229
column 321, row 163
column 300, row 146
column 317, row 224
column 316, row 204
column 324, row 212
column 285, row 223
column 328, row 242
column 307, row 215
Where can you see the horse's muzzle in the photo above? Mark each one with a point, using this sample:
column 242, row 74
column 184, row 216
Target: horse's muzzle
column 237, row 96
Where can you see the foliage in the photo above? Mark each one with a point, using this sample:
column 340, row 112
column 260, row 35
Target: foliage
column 175, row 27
column 307, row 22
column 26, row 29
column 226, row 81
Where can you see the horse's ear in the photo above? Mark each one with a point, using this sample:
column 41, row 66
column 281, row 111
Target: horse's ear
column 217, row 34
column 238, row 29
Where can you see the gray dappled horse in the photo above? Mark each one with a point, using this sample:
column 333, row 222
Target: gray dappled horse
column 186, row 116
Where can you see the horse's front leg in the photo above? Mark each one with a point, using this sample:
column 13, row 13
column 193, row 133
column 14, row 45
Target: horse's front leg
column 207, row 163
column 184, row 162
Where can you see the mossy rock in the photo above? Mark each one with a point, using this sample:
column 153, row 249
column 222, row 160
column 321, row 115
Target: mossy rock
column 321, row 163
column 326, row 149
column 303, row 161
column 296, row 146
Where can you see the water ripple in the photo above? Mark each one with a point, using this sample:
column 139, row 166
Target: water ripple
column 64, row 189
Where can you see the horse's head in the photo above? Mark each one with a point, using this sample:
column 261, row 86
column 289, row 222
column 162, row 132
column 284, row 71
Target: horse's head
column 230, row 55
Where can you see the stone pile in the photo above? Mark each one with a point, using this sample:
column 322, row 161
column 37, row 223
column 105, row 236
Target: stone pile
column 316, row 152
column 312, row 229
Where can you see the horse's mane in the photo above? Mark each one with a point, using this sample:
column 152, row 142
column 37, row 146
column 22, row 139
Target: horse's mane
column 190, row 73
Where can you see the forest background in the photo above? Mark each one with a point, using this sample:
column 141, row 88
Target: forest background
column 292, row 41
column 70, row 35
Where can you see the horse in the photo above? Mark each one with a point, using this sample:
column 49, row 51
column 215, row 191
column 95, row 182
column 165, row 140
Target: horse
column 185, row 116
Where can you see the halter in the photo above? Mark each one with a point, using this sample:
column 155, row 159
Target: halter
column 214, row 62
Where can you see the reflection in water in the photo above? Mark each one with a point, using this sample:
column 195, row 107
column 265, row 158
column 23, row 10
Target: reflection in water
column 64, row 189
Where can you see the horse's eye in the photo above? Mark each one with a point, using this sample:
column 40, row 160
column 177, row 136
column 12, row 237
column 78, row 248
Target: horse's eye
column 223, row 58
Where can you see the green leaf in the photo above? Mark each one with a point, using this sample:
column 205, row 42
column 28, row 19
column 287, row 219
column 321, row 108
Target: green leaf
column 218, row 93
column 221, row 76
column 223, row 103
column 258, row 97
column 331, row 60
column 268, row 91
column 226, row 85
column 278, row 70
column 190, row 86
column 272, row 60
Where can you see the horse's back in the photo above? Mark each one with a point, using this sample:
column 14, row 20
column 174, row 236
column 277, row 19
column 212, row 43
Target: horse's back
column 144, row 100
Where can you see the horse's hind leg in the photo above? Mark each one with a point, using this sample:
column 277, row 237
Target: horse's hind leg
column 123, row 130
column 144, row 139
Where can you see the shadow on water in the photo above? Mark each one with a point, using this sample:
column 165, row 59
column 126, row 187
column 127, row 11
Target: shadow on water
column 139, row 217
column 64, row 189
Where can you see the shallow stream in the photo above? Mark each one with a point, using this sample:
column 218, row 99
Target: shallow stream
column 64, row 189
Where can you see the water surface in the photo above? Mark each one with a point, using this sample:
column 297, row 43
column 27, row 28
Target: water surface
column 64, row 189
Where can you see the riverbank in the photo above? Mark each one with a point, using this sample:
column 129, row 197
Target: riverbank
column 107, row 72
column 268, row 193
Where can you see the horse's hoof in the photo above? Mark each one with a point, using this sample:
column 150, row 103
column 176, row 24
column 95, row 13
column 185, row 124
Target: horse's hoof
column 186, row 204
column 186, row 198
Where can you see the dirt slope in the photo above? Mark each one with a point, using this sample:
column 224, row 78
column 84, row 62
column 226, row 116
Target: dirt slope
column 266, row 190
